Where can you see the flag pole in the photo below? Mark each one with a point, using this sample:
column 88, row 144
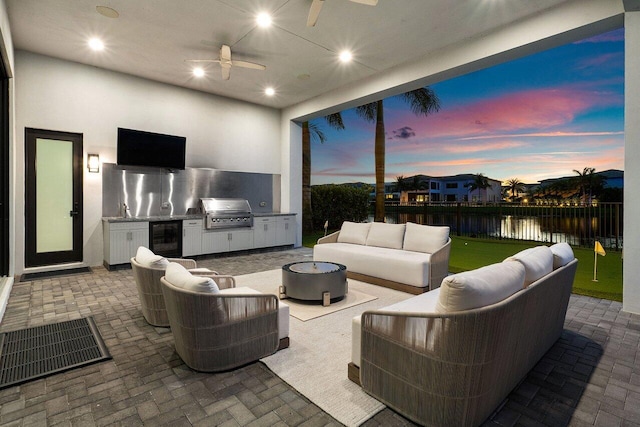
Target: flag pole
column 595, row 266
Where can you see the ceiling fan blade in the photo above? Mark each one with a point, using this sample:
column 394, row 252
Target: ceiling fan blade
column 201, row 60
column 367, row 2
column 246, row 64
column 314, row 12
column 225, row 53
column 226, row 70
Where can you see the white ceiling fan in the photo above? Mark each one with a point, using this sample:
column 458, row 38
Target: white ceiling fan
column 226, row 62
column 316, row 6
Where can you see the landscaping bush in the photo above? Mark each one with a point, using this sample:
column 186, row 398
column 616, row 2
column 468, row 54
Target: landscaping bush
column 338, row 203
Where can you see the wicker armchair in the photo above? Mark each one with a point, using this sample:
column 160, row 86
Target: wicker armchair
column 218, row 331
column 150, row 292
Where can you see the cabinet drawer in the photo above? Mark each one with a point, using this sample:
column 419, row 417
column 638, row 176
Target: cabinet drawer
column 136, row 225
column 192, row 223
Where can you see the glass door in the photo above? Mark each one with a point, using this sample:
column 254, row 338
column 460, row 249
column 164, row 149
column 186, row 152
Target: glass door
column 54, row 197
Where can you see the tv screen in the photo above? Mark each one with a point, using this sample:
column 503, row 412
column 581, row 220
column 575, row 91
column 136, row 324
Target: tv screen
column 138, row 148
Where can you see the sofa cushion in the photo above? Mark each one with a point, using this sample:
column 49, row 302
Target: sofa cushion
column 562, row 254
column 148, row 259
column 385, row 235
column 180, row 277
column 537, row 262
column 481, row 287
column 354, row 232
column 424, row 238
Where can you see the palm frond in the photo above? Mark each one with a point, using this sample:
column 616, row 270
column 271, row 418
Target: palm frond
column 316, row 133
column 423, row 101
column 368, row 111
column 335, row 120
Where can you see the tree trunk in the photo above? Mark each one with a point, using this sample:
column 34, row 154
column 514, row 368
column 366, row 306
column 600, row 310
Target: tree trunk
column 380, row 160
column 307, row 214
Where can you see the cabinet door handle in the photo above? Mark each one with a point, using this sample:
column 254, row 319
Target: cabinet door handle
column 184, row 232
column 129, row 235
column 266, row 227
column 286, row 225
column 229, row 236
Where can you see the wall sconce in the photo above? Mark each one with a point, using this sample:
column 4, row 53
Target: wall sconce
column 93, row 163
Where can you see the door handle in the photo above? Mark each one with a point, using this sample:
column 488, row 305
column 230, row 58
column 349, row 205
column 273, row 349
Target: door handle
column 73, row 213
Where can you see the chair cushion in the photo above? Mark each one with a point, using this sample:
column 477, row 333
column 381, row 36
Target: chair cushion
column 562, row 254
column 354, row 232
column 385, row 235
column 537, row 262
column 424, row 238
column 180, row 277
column 148, row 259
column 481, row 287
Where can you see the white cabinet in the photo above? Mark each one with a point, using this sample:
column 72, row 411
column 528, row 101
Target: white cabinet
column 264, row 231
column 122, row 239
column 226, row 240
column 192, row 237
column 285, row 230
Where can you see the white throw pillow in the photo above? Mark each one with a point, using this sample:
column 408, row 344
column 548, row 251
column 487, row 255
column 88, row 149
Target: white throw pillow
column 424, row 238
column 481, row 287
column 354, row 232
column 562, row 254
column 148, row 259
column 537, row 262
column 180, row 277
column 386, row 235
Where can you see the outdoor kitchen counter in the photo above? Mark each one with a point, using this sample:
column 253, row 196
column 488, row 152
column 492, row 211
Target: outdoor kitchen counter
column 151, row 218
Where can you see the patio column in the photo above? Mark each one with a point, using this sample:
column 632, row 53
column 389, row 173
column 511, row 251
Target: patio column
column 631, row 266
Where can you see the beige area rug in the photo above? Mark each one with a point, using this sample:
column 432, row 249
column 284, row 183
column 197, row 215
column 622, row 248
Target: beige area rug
column 268, row 282
column 315, row 364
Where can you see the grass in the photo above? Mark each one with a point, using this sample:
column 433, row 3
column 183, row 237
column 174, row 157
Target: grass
column 468, row 253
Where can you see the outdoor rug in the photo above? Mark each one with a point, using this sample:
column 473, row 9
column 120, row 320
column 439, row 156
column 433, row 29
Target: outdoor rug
column 28, row 354
column 315, row 364
column 268, row 282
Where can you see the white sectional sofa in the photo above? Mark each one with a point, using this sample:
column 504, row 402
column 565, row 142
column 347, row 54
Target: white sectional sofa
column 412, row 258
column 449, row 357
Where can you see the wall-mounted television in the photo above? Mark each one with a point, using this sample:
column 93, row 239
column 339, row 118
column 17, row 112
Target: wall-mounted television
column 138, row 148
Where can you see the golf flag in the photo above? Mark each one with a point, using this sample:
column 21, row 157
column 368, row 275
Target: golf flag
column 326, row 225
column 598, row 250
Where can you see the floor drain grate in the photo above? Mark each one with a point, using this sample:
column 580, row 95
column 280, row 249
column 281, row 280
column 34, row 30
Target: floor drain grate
column 36, row 352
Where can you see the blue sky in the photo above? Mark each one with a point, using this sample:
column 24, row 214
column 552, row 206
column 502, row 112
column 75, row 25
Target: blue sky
column 538, row 117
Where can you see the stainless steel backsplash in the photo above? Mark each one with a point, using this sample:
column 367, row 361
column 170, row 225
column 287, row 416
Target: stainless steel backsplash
column 163, row 192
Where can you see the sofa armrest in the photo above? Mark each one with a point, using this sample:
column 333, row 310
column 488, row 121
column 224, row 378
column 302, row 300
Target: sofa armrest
column 439, row 265
column 331, row 238
column 222, row 280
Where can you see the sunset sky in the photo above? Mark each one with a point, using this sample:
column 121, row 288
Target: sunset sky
column 535, row 118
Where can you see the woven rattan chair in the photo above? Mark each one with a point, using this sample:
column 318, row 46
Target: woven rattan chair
column 150, row 291
column 217, row 331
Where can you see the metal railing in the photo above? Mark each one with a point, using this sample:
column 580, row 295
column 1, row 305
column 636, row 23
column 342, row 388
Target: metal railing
column 576, row 225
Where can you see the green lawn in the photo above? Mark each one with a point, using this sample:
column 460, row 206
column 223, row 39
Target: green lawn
column 468, row 253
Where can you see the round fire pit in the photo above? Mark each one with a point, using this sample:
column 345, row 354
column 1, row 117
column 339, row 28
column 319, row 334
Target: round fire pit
column 314, row 281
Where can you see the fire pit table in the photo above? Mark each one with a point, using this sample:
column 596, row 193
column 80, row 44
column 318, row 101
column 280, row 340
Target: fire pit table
column 314, row 281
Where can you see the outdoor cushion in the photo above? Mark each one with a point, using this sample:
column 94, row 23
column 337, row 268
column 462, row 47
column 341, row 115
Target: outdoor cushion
column 386, row 235
column 538, row 262
column 481, row 287
column 180, row 277
column 354, row 232
column 148, row 259
column 424, row 238
column 562, row 254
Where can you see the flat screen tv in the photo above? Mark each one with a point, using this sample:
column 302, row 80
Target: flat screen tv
column 138, row 148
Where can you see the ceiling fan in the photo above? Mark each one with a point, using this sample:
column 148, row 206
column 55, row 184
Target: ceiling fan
column 226, row 63
column 316, row 6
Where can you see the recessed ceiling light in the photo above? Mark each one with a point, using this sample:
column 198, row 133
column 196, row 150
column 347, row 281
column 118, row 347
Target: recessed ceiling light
column 107, row 11
column 96, row 44
column 269, row 91
column 198, row 72
column 345, row 56
column 263, row 19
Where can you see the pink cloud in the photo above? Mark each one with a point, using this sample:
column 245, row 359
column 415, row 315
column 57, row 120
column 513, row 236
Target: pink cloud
column 607, row 59
column 611, row 36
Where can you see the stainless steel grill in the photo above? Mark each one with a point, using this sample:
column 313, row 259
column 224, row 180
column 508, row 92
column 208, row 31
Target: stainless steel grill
column 226, row 213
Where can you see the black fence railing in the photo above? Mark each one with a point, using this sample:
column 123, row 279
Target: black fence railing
column 576, row 225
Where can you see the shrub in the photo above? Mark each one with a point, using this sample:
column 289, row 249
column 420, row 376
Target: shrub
column 338, row 203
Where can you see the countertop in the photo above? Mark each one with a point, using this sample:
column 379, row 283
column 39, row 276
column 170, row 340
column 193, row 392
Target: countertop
column 178, row 217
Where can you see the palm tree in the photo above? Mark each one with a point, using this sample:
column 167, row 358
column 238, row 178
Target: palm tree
column 312, row 131
column 480, row 182
column 515, row 186
column 585, row 181
column 423, row 101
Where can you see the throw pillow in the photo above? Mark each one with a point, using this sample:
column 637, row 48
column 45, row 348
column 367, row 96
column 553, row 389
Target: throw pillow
column 424, row 238
column 180, row 277
column 481, row 287
column 537, row 262
column 386, row 235
column 354, row 232
column 562, row 254
column 148, row 259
